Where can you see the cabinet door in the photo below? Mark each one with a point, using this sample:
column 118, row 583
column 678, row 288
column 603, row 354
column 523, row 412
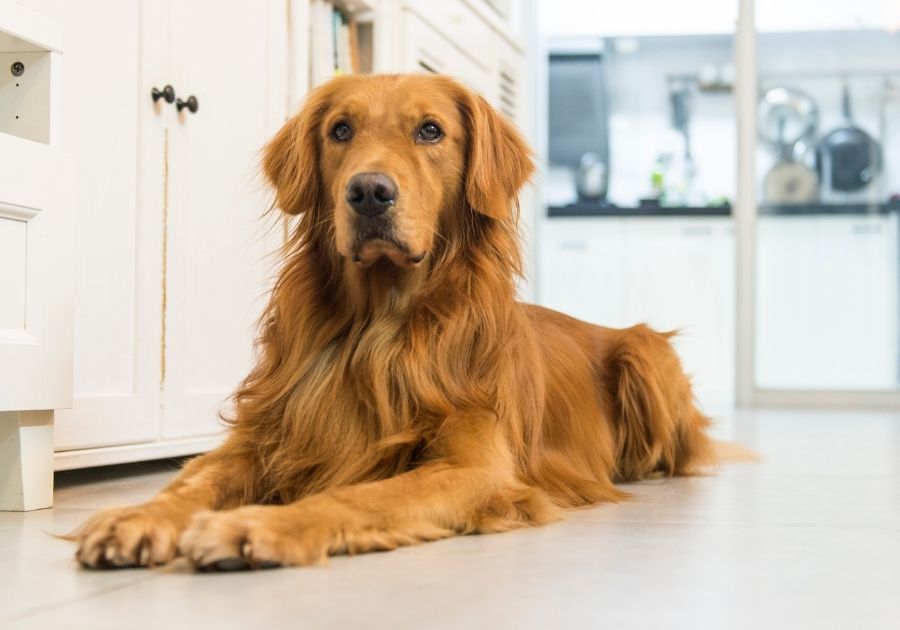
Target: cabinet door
column 582, row 271
column 827, row 287
column 35, row 278
column 218, row 248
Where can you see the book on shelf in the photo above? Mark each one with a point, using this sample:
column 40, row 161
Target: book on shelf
column 334, row 42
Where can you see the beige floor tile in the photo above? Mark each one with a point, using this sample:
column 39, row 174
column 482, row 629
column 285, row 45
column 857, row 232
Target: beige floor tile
column 809, row 537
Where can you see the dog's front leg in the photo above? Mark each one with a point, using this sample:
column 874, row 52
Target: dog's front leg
column 147, row 534
column 470, row 488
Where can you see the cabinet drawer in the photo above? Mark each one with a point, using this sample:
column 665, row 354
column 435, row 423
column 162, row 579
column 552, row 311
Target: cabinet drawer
column 459, row 25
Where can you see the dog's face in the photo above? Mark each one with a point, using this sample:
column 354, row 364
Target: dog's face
column 392, row 157
column 386, row 158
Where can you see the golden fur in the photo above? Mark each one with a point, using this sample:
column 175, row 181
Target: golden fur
column 395, row 400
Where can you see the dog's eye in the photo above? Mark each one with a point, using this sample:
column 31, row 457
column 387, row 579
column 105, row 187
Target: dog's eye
column 341, row 132
column 429, row 132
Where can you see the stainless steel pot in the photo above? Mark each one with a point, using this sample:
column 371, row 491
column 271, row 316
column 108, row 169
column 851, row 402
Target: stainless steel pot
column 591, row 178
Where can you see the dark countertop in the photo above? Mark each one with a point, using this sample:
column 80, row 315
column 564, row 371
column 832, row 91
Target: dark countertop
column 652, row 210
column 648, row 210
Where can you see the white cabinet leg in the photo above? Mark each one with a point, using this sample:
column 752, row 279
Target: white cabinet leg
column 26, row 460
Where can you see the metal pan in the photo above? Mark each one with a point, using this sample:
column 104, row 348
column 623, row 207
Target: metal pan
column 848, row 157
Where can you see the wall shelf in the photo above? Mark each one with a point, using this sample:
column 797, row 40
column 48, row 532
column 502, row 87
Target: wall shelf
column 28, row 43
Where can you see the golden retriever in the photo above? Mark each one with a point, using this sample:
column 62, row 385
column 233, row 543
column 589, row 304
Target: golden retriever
column 401, row 393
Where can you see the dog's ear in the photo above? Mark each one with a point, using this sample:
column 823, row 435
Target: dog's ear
column 291, row 159
column 498, row 161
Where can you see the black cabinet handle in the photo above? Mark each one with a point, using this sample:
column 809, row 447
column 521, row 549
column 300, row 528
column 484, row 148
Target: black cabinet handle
column 167, row 94
column 191, row 104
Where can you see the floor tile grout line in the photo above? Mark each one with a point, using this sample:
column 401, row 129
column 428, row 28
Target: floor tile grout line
column 44, row 608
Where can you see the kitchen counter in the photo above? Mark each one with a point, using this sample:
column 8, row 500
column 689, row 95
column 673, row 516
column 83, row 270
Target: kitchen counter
column 650, row 210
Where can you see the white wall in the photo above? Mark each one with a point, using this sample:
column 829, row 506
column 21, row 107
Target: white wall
column 640, row 121
column 561, row 18
column 566, row 18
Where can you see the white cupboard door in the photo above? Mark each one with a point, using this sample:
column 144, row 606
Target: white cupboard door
column 118, row 228
column 830, row 278
column 218, row 261
column 35, row 219
column 35, row 278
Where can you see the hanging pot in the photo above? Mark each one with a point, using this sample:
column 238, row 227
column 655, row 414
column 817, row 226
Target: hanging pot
column 848, row 157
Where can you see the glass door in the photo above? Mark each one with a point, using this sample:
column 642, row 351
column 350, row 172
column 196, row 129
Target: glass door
column 826, row 186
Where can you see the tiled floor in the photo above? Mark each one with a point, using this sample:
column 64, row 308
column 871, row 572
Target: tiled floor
column 807, row 538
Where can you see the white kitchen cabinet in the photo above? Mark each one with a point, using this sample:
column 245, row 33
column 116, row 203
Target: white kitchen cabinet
column 172, row 256
column 671, row 273
column 827, row 302
column 116, row 233
column 35, row 255
column 217, row 248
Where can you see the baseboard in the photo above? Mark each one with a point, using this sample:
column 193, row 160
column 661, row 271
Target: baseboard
column 104, row 456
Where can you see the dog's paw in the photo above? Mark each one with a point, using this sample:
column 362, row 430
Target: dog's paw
column 139, row 536
column 255, row 537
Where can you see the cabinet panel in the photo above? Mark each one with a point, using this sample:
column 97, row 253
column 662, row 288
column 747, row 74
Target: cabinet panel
column 827, row 287
column 13, row 252
column 217, row 262
column 116, row 373
column 36, row 316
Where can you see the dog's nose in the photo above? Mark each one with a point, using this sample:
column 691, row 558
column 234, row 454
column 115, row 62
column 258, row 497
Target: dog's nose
column 370, row 194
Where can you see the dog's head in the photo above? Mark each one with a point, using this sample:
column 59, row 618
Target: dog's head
column 390, row 159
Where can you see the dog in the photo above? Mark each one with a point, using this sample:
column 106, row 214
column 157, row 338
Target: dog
column 401, row 394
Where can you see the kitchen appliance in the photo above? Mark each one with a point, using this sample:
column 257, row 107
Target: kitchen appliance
column 848, row 157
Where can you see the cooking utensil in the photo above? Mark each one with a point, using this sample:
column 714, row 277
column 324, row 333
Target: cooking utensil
column 789, row 181
column 848, row 157
column 785, row 117
column 591, row 177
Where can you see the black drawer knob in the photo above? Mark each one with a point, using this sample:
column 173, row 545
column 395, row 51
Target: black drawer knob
column 191, row 104
column 167, row 94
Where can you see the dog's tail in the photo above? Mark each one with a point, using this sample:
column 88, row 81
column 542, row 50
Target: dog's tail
column 659, row 429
